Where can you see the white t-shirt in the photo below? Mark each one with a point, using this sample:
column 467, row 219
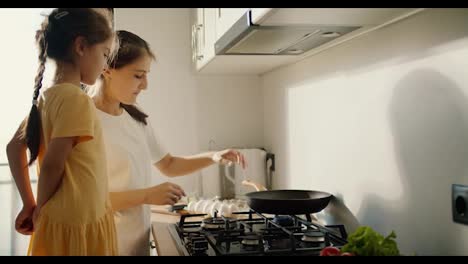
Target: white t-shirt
column 131, row 151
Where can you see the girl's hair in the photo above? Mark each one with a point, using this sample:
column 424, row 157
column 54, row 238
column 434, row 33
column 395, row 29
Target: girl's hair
column 131, row 48
column 55, row 38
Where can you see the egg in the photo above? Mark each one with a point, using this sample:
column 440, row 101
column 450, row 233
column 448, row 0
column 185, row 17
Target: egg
column 199, row 206
column 225, row 210
column 206, row 207
column 233, row 208
column 191, row 206
column 214, row 208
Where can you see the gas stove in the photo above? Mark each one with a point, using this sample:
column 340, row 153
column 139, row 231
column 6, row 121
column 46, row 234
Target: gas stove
column 253, row 233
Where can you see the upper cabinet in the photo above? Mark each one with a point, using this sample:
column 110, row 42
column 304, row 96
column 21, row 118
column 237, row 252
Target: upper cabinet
column 226, row 17
column 258, row 40
column 203, row 36
column 208, row 26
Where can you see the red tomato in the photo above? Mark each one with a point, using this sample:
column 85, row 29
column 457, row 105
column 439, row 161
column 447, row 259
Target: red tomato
column 330, row 251
column 347, row 254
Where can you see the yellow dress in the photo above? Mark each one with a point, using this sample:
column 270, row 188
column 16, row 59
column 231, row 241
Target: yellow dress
column 78, row 218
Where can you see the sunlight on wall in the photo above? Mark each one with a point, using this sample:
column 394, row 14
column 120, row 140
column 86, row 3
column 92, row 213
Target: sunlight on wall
column 18, row 55
column 339, row 137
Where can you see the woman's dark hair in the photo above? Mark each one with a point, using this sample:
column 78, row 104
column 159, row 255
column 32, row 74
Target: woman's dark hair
column 131, row 48
column 55, row 38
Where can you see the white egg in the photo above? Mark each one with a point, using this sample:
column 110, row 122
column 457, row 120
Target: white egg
column 191, row 206
column 233, row 208
column 214, row 208
column 210, row 209
column 199, row 206
column 224, row 210
column 206, row 207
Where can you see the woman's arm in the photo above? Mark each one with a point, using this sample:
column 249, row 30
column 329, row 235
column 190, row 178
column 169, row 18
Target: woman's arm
column 178, row 166
column 127, row 199
column 162, row 194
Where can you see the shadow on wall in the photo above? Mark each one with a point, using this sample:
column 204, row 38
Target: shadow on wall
column 429, row 33
column 428, row 115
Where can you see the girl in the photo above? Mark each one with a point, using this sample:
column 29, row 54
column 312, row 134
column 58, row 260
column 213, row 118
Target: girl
column 132, row 150
column 72, row 215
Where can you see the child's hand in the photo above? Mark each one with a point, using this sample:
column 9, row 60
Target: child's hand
column 35, row 215
column 24, row 220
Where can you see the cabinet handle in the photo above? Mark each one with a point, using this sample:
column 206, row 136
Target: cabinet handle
column 152, row 244
column 194, row 42
column 199, row 27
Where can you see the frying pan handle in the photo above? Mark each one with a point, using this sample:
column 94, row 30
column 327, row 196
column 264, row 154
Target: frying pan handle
column 257, row 186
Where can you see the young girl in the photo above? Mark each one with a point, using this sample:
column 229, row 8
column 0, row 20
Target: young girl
column 73, row 214
column 132, row 150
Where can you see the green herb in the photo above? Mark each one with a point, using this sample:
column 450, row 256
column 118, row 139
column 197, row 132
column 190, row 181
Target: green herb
column 367, row 242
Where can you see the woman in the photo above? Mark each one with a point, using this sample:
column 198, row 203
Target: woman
column 132, row 151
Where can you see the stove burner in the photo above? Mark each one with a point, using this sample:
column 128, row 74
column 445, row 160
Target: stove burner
column 279, row 243
column 313, row 237
column 218, row 223
column 283, row 220
column 250, row 240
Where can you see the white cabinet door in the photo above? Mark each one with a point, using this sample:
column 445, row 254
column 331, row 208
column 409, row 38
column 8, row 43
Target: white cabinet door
column 198, row 28
column 226, row 17
column 203, row 36
column 209, row 34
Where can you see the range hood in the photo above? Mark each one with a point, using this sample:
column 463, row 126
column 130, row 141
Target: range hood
column 247, row 38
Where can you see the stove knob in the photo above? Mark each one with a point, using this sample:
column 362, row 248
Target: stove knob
column 199, row 245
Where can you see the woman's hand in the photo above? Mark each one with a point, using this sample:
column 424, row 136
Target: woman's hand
column 163, row 194
column 24, row 220
column 229, row 156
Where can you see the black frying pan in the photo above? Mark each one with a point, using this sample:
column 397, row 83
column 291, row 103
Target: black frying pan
column 288, row 202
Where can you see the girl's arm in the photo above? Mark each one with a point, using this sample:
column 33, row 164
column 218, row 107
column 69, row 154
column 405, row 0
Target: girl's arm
column 18, row 162
column 52, row 167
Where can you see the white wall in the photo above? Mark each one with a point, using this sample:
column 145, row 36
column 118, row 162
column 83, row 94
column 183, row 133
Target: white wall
column 230, row 111
column 188, row 110
column 383, row 122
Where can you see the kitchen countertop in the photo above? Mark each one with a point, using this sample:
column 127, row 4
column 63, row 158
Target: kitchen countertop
column 160, row 221
column 161, row 218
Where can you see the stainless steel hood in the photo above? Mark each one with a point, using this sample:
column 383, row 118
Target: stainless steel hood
column 246, row 38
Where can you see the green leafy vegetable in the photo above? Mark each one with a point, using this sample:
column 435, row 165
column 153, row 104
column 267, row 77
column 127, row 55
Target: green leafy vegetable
column 367, row 242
